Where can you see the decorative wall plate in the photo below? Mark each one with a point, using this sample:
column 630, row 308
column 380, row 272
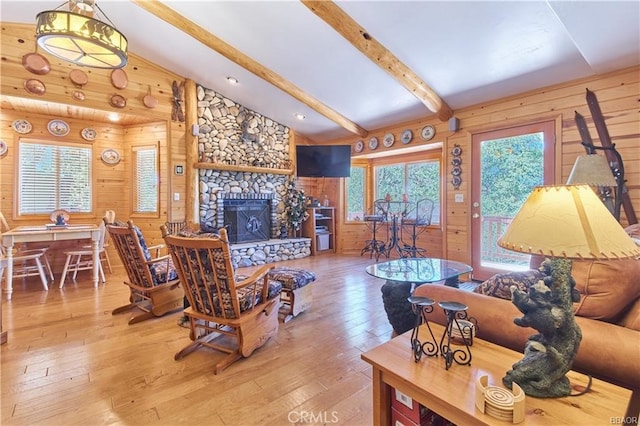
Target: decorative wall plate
column 36, row 63
column 119, row 78
column 373, row 143
column 110, row 156
column 89, row 134
column 406, row 137
column 428, row 132
column 456, row 151
column 456, row 170
column 58, row 128
column 78, row 95
column 35, row 87
column 3, row 148
column 388, row 140
column 54, row 215
column 456, row 161
column 78, row 77
column 456, row 181
column 118, row 101
column 22, row 126
column 359, row 146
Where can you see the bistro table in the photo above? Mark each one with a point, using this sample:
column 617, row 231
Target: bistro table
column 403, row 275
column 30, row 234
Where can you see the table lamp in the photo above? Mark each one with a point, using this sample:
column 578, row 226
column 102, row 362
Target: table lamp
column 561, row 223
column 594, row 170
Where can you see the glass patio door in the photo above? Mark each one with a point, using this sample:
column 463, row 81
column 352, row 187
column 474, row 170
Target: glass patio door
column 507, row 164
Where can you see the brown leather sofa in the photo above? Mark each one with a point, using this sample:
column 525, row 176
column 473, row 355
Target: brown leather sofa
column 608, row 315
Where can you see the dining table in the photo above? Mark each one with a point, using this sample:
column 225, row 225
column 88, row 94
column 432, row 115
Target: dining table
column 48, row 233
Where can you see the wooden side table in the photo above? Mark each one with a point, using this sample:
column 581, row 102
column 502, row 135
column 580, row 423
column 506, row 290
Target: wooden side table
column 451, row 393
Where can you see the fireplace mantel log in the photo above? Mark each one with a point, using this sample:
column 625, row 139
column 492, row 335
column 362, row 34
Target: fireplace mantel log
column 239, row 168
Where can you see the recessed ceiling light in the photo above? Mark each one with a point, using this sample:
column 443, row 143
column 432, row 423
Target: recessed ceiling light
column 232, row 80
column 300, row 116
column 114, row 117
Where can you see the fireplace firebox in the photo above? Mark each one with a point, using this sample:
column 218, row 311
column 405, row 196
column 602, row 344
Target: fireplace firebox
column 248, row 217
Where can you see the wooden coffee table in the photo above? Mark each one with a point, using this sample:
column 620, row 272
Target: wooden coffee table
column 451, row 393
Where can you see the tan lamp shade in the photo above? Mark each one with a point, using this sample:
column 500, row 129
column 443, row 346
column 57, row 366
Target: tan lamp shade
column 591, row 169
column 567, row 221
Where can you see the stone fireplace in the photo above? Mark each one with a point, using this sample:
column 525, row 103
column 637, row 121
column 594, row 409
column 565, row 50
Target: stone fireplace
column 250, row 202
column 248, row 217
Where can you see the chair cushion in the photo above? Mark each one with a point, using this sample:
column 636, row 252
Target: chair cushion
column 245, row 298
column 143, row 243
column 275, row 286
column 292, row 278
column 161, row 272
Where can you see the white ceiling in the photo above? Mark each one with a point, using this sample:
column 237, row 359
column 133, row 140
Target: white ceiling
column 468, row 52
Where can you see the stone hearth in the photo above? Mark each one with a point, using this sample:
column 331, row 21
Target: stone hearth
column 270, row 251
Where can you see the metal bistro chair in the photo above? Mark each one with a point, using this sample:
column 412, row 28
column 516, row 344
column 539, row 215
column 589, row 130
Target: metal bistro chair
column 223, row 305
column 416, row 222
column 374, row 246
column 152, row 280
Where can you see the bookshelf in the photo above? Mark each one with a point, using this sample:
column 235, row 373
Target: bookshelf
column 320, row 227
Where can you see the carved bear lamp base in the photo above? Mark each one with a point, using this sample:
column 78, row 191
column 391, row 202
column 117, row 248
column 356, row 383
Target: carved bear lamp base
column 548, row 356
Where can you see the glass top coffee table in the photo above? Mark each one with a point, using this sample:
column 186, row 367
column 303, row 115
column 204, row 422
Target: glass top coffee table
column 403, row 275
column 419, row 270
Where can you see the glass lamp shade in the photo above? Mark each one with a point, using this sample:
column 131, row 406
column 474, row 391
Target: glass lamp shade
column 570, row 222
column 81, row 40
column 591, row 169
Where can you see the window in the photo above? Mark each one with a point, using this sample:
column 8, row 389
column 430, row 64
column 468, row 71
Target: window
column 53, row 176
column 418, row 180
column 145, row 179
column 356, row 194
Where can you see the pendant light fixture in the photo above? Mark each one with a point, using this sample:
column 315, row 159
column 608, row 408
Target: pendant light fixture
column 76, row 36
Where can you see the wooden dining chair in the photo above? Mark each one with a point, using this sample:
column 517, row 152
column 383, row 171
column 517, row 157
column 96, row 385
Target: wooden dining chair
column 27, row 261
column 81, row 258
column 152, row 280
column 109, row 217
column 27, row 265
column 223, row 305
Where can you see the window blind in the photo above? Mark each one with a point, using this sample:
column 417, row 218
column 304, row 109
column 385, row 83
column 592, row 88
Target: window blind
column 146, row 179
column 54, row 177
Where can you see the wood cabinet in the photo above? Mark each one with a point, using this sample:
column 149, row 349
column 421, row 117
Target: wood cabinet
column 320, row 227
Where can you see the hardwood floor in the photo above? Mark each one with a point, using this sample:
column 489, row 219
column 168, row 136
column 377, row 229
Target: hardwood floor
column 69, row 361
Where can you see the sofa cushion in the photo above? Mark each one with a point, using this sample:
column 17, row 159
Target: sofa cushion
column 607, row 287
column 499, row 285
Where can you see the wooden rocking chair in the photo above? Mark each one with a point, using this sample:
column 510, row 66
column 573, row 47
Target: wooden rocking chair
column 223, row 305
column 153, row 281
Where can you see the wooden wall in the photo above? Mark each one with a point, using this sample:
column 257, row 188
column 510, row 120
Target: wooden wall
column 618, row 94
column 140, row 124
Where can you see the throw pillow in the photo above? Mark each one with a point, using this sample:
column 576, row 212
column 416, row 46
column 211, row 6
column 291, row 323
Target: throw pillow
column 500, row 284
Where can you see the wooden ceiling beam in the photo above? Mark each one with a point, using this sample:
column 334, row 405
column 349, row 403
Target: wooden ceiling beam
column 335, row 17
column 202, row 35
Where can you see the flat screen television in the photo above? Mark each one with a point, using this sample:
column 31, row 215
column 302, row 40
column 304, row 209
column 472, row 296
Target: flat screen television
column 323, row 160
